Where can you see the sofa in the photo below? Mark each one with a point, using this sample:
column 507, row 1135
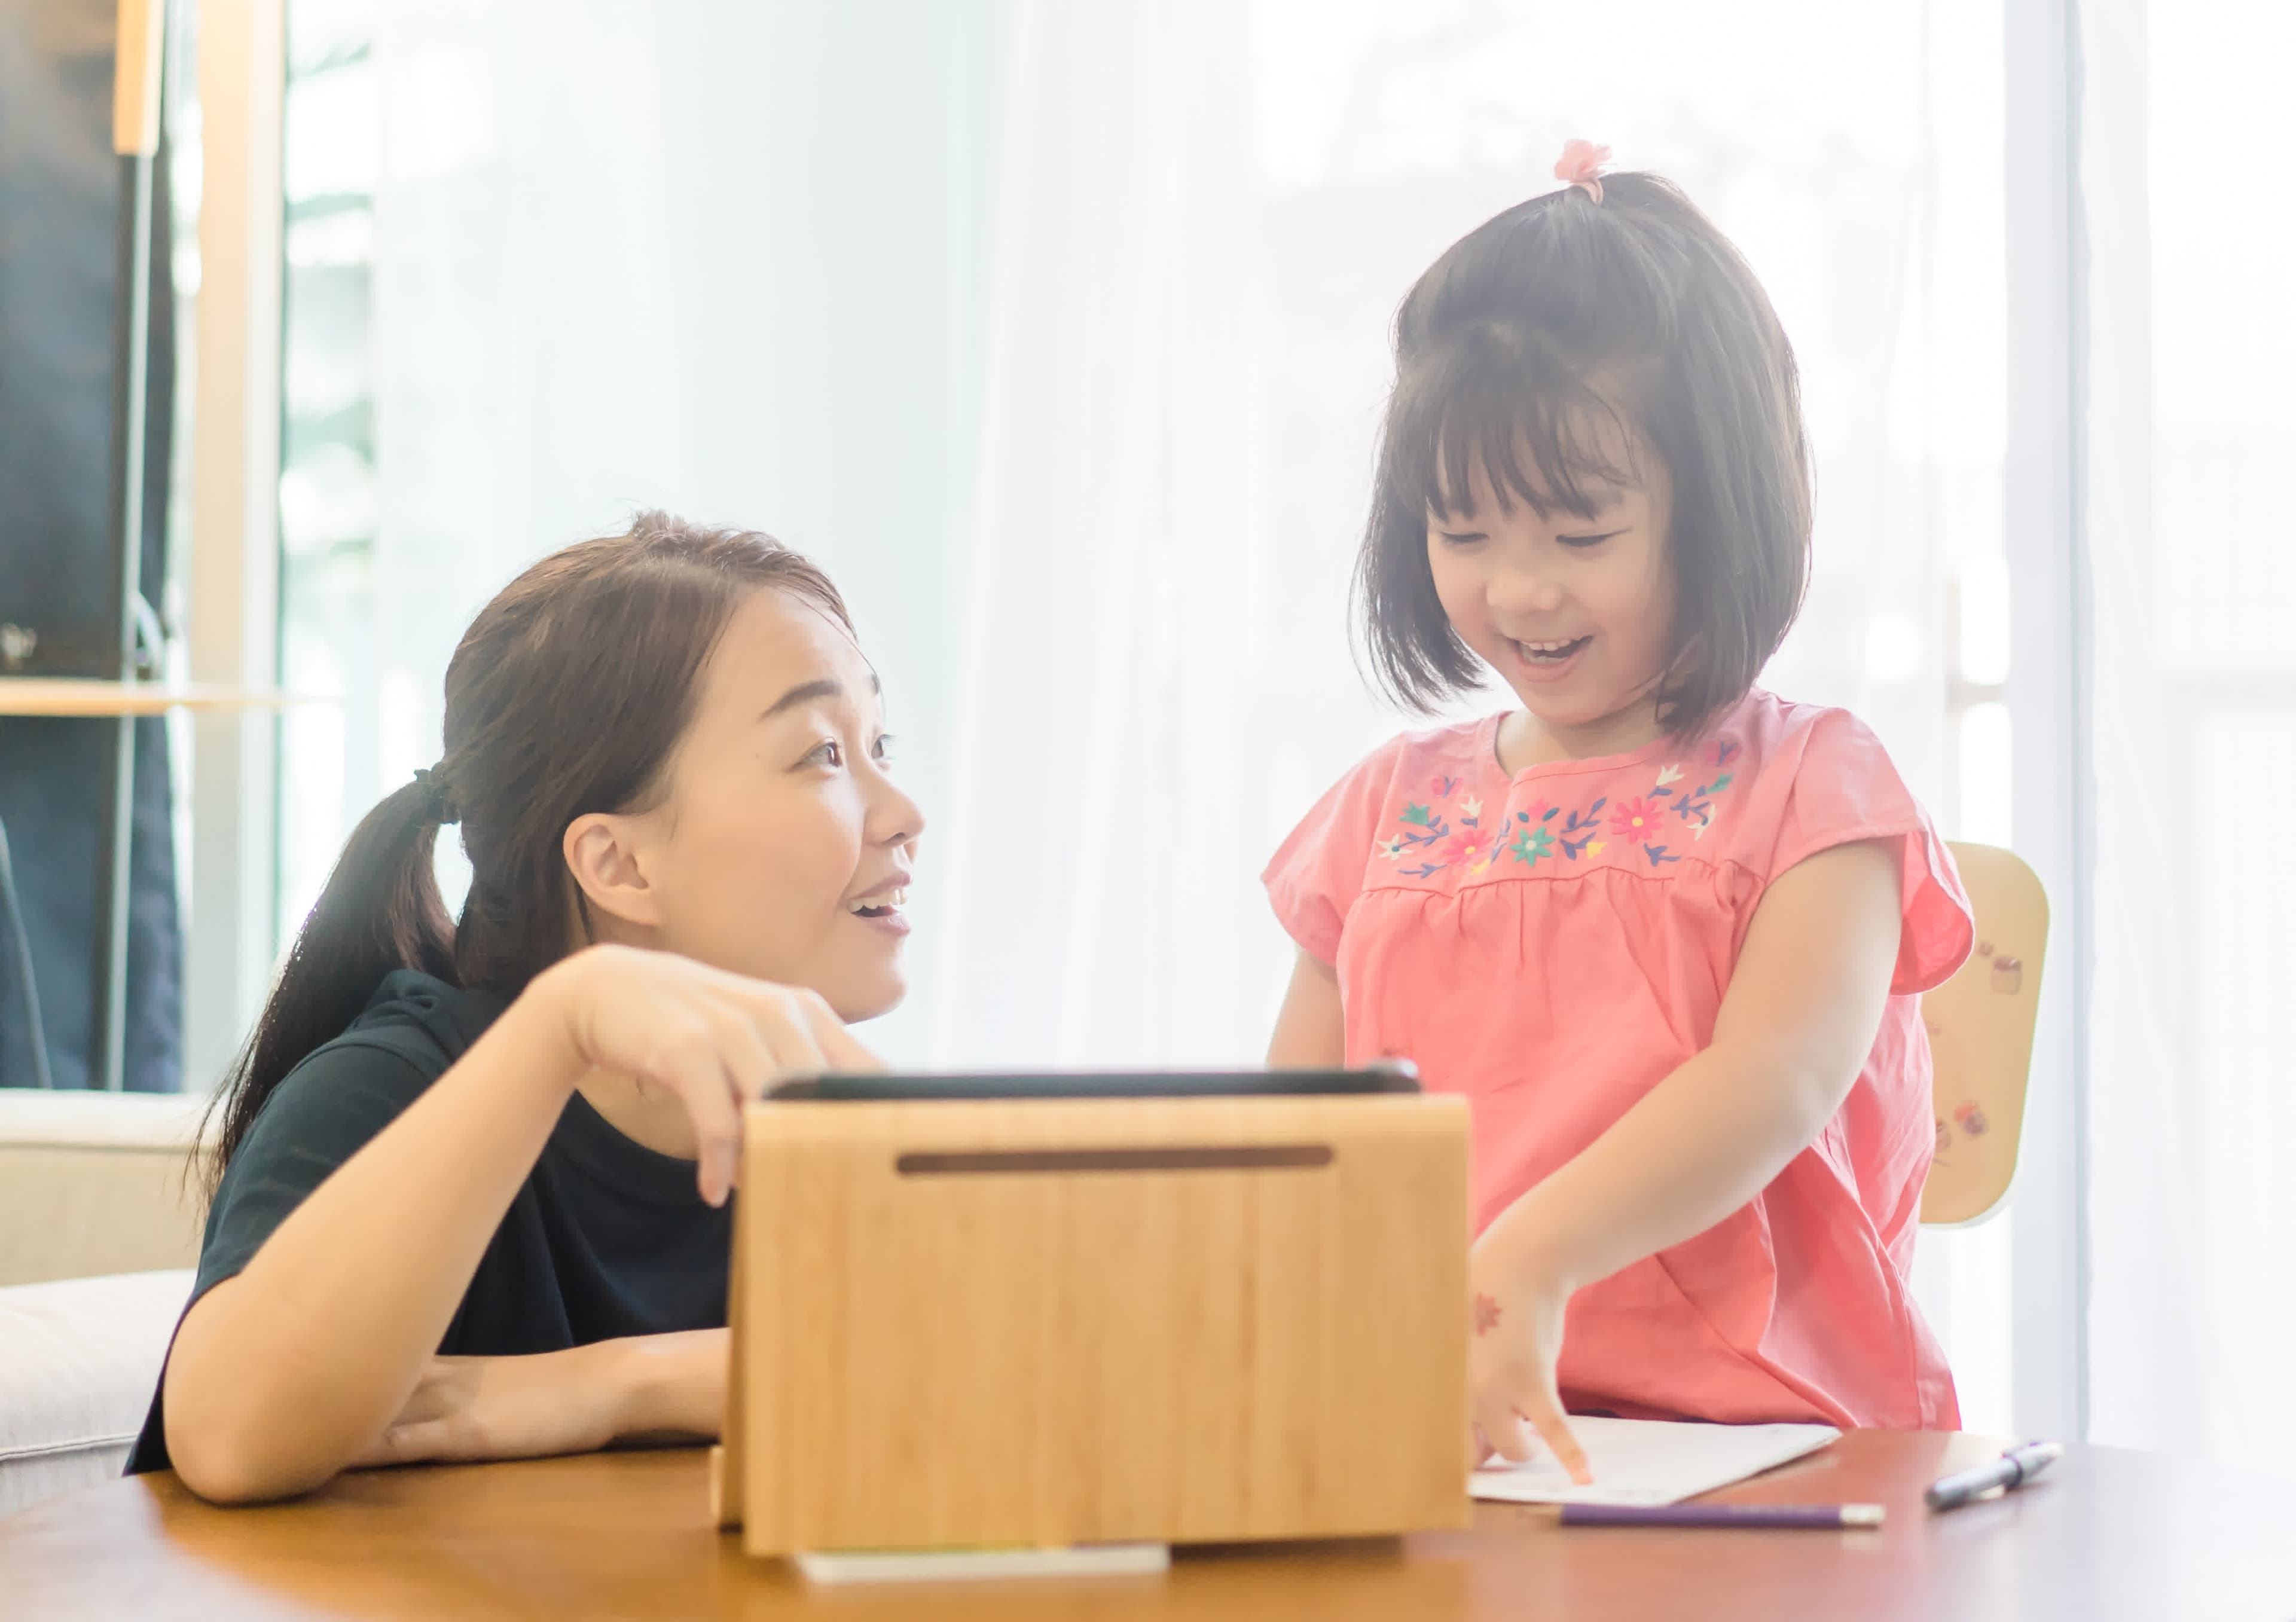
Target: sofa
column 99, row 1217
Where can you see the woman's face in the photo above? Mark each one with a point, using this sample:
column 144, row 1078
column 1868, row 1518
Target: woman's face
column 782, row 849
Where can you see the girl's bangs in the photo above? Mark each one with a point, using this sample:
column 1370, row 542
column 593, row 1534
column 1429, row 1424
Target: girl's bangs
column 1533, row 427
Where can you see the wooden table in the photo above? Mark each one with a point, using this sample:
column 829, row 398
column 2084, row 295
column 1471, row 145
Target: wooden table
column 2106, row 1533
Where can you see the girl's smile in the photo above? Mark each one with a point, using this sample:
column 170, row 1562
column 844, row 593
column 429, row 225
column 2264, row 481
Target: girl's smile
column 1550, row 660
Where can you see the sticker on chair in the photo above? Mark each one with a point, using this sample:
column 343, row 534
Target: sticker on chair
column 2008, row 972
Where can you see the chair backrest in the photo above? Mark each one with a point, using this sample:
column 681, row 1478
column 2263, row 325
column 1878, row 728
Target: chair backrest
column 1980, row 1026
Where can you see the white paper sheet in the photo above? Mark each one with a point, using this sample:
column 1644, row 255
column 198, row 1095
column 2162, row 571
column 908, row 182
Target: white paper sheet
column 1641, row 1462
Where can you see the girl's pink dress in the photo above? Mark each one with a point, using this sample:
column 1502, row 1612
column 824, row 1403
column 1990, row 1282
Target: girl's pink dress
column 1554, row 944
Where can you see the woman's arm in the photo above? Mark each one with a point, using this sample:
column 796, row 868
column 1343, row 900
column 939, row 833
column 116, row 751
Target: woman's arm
column 643, row 1389
column 1309, row 1033
column 1794, row 1029
column 283, row 1375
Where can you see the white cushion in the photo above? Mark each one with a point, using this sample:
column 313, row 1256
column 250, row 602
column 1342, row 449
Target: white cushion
column 78, row 1361
column 96, row 1183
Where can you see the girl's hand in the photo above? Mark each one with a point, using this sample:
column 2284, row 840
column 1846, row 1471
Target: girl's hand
column 1517, row 1301
column 715, row 1039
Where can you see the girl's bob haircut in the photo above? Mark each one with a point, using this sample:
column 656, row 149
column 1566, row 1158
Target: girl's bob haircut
column 1533, row 334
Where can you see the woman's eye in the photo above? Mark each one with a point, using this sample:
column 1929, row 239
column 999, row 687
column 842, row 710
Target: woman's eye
column 829, row 753
column 1460, row 539
column 882, row 751
column 1580, row 543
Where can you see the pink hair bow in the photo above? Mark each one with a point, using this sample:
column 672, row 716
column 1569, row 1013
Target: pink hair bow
column 1581, row 164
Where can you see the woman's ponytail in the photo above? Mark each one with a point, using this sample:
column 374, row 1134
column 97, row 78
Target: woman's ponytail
column 380, row 910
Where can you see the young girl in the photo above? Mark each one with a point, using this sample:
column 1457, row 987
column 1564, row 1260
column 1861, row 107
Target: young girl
column 1664, row 929
column 459, row 1214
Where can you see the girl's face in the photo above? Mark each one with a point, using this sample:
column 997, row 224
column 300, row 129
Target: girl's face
column 1575, row 612
column 782, row 849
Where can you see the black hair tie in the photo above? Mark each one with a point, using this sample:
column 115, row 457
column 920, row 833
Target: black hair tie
column 438, row 806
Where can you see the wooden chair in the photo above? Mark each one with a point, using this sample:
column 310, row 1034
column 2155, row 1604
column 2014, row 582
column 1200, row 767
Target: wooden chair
column 1980, row 1026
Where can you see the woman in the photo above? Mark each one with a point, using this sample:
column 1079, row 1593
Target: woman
column 471, row 1179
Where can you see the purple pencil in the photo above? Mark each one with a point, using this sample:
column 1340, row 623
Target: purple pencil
column 1747, row 1517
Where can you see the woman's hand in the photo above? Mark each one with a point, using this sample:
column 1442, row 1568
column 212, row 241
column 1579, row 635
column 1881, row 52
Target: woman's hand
column 715, row 1039
column 474, row 1408
column 1517, row 1297
column 575, row 1401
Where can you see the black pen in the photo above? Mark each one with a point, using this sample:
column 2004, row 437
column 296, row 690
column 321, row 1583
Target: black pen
column 2012, row 1470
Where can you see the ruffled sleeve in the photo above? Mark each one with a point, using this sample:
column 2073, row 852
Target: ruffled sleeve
column 1317, row 873
column 1846, row 789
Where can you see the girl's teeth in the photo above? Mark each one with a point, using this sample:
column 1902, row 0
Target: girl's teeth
column 1548, row 650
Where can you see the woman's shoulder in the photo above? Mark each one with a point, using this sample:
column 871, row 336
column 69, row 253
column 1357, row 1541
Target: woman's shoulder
column 413, row 1028
column 421, row 1017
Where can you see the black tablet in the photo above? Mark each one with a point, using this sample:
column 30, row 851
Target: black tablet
column 1393, row 1077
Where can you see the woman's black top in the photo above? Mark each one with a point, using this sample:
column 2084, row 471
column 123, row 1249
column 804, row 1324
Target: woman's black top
column 606, row 1238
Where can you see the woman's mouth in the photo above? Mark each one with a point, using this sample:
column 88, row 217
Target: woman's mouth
column 883, row 909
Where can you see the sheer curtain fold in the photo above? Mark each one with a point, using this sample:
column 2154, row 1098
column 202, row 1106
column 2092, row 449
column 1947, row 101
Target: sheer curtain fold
column 2193, row 710
column 1102, row 751
column 1207, row 214
column 1057, row 329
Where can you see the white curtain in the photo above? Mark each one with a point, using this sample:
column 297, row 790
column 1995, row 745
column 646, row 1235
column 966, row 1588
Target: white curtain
column 1058, row 331
column 2187, row 422
column 551, row 261
column 1207, row 212
column 1116, row 725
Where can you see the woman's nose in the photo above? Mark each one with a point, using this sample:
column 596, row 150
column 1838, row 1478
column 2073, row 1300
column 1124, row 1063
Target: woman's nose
column 895, row 818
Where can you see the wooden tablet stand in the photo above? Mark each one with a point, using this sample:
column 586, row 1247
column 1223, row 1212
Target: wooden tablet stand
column 1050, row 1322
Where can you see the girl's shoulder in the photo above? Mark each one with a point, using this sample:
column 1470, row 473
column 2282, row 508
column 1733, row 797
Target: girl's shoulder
column 1770, row 781
column 1460, row 750
column 1815, row 762
column 1767, row 727
column 1429, row 764
column 1321, row 867
column 1762, row 733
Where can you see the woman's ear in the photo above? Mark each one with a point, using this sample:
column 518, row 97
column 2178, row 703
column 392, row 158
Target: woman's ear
column 601, row 853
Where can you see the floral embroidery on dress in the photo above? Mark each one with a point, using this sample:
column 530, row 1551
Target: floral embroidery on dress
column 1429, row 837
column 1653, row 823
column 1693, row 807
column 1533, row 840
column 1470, row 848
column 1635, row 819
column 1590, row 820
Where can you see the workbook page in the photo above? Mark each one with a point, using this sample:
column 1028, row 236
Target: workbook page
column 1645, row 1461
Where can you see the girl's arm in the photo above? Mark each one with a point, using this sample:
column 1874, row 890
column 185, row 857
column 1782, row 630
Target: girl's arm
column 285, row 1374
column 1308, row 1031
column 1794, row 1029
